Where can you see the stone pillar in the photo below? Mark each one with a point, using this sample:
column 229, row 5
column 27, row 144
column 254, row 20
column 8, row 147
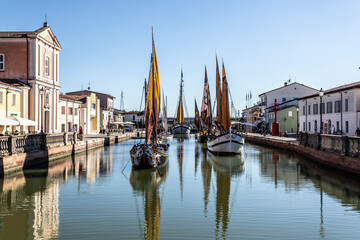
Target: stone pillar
column 65, row 138
column 318, row 138
column 345, row 145
column 12, row 145
column 43, row 141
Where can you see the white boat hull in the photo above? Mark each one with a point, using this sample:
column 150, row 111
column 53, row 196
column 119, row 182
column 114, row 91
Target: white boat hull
column 181, row 129
column 227, row 144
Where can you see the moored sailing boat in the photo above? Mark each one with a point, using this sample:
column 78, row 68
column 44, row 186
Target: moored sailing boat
column 151, row 153
column 181, row 127
column 226, row 143
column 165, row 134
column 205, row 131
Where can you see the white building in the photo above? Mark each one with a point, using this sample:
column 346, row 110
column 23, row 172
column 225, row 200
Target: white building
column 285, row 93
column 69, row 113
column 285, row 96
column 340, row 110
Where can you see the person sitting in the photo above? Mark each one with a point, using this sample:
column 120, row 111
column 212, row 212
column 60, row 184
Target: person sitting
column 357, row 132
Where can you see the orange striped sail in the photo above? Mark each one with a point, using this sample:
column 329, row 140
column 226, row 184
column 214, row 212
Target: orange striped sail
column 225, row 116
column 152, row 108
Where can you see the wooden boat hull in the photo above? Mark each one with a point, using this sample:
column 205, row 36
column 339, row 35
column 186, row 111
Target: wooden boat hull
column 181, row 129
column 146, row 156
column 201, row 138
column 226, row 144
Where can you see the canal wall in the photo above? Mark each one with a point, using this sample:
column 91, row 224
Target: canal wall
column 332, row 157
column 43, row 152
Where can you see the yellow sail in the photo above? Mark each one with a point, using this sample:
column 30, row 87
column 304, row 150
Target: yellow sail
column 218, row 94
column 157, row 98
column 149, row 104
column 180, row 112
column 225, row 116
column 152, row 107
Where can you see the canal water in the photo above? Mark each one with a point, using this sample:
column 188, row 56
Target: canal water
column 262, row 194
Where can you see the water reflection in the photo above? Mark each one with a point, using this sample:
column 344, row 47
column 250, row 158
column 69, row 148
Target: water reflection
column 180, row 153
column 146, row 184
column 280, row 167
column 29, row 200
column 206, row 170
column 294, row 173
column 226, row 167
column 96, row 202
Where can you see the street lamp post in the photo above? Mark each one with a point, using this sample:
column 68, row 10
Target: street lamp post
column 321, row 94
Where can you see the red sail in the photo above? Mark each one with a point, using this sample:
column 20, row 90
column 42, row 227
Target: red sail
column 206, row 110
column 197, row 118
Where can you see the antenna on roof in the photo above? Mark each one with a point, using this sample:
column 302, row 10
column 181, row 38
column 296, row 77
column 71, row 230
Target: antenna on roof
column 82, row 87
column 89, row 86
column 45, row 23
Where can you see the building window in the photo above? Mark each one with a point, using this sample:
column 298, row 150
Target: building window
column 1, row 98
column 347, row 126
column 13, row 100
column 315, row 126
column 2, row 62
column 337, row 106
column 62, row 109
column 309, row 126
column 283, row 99
column 304, row 110
column 133, row 117
column 93, row 106
column 309, row 109
column 316, row 109
column 337, row 126
column 76, row 111
column 47, row 66
column 63, row 127
column 70, row 111
column 304, row 127
column 290, row 114
column 346, row 105
column 329, row 107
column 47, row 99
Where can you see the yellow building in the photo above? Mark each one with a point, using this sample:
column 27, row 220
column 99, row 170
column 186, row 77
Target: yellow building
column 89, row 112
column 13, row 106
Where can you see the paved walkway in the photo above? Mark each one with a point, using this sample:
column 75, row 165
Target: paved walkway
column 287, row 139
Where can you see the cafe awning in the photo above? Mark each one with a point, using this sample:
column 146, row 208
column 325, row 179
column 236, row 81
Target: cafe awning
column 5, row 121
column 22, row 121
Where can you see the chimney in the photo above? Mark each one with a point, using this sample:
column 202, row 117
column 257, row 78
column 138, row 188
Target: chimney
column 46, row 24
column 285, row 83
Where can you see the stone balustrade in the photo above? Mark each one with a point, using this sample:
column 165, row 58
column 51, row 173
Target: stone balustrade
column 10, row 145
column 344, row 145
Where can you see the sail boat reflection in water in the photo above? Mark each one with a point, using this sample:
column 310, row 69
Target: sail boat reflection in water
column 180, row 153
column 206, row 169
column 225, row 168
column 147, row 183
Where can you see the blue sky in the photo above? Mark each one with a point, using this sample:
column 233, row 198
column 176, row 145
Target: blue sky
column 108, row 43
